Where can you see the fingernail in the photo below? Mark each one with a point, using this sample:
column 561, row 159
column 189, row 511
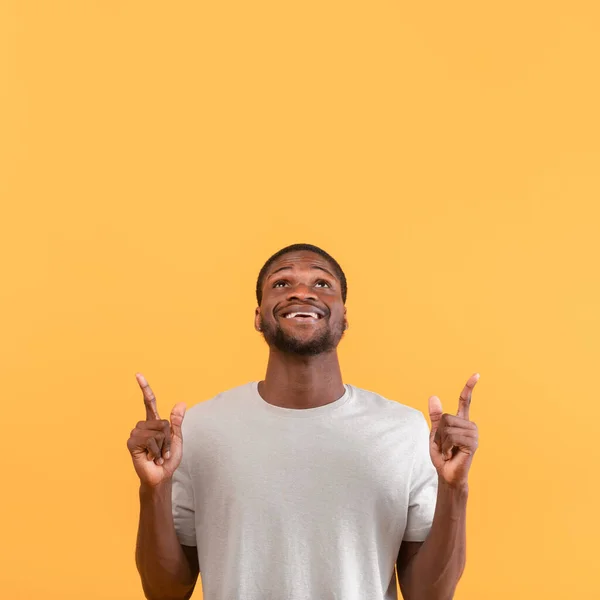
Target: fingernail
column 160, row 461
column 168, row 454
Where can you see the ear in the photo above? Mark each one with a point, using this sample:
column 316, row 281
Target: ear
column 346, row 324
column 257, row 320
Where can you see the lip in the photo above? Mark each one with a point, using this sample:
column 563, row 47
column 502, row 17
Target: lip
column 301, row 308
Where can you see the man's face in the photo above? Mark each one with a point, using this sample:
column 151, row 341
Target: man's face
column 302, row 311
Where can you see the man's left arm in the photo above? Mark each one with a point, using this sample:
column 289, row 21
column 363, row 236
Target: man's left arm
column 430, row 570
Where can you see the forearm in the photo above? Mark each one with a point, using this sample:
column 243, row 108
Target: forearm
column 436, row 569
column 161, row 562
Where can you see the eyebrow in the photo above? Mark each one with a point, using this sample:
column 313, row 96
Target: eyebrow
column 313, row 267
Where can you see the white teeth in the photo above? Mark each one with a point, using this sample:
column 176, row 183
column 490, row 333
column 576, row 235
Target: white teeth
column 303, row 314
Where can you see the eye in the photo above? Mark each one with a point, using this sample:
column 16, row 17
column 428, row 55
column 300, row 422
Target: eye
column 280, row 283
column 322, row 282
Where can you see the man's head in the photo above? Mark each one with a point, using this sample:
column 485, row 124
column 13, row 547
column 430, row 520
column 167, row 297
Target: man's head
column 301, row 292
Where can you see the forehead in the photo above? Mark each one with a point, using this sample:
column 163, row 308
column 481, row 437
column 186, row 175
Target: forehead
column 301, row 260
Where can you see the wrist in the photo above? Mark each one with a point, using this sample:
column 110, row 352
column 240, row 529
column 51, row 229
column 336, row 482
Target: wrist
column 458, row 489
column 158, row 490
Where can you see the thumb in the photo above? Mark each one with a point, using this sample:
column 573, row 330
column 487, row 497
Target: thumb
column 177, row 415
column 435, row 413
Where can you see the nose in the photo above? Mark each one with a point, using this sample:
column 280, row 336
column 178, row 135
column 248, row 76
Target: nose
column 301, row 292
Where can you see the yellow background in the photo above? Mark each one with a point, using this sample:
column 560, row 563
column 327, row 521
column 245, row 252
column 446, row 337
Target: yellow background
column 154, row 154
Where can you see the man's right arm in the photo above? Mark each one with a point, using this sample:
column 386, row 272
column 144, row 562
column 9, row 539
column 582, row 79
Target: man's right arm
column 168, row 570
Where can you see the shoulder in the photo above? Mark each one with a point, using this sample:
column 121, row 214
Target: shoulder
column 373, row 404
column 223, row 405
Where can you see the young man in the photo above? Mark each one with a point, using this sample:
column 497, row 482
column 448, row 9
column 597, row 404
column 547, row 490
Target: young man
column 299, row 487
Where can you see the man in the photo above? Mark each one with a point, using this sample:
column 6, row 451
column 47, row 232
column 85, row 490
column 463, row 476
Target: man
column 299, row 487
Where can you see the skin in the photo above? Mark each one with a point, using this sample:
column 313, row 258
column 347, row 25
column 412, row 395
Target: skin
column 431, row 570
column 301, row 280
column 168, row 570
column 303, row 372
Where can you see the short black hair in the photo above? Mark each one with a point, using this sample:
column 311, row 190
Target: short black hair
column 339, row 273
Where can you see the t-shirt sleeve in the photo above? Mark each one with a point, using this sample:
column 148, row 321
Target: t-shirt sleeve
column 182, row 499
column 423, row 487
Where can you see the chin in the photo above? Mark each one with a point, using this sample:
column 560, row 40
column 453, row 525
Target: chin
column 302, row 342
column 306, row 347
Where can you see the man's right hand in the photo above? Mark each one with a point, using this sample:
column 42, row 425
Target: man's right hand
column 156, row 445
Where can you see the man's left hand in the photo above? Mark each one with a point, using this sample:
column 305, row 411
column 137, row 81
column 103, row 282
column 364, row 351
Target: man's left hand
column 453, row 439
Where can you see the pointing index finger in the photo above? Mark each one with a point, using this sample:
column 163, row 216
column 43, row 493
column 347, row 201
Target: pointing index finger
column 149, row 398
column 464, row 400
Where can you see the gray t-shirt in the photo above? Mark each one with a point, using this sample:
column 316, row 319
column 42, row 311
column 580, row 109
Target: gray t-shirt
column 287, row 504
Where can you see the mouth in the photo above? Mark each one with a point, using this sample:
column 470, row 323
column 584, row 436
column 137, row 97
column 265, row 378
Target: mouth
column 302, row 316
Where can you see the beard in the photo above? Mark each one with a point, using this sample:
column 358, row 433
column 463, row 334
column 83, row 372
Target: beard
column 324, row 341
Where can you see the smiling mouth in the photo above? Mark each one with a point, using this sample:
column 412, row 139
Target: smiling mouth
column 302, row 316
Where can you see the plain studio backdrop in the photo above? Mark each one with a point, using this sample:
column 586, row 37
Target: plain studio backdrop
column 154, row 154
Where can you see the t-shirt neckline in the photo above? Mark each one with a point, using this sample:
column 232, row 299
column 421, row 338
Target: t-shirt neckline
column 301, row 413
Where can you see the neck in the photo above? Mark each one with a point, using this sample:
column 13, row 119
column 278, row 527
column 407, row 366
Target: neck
column 302, row 381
